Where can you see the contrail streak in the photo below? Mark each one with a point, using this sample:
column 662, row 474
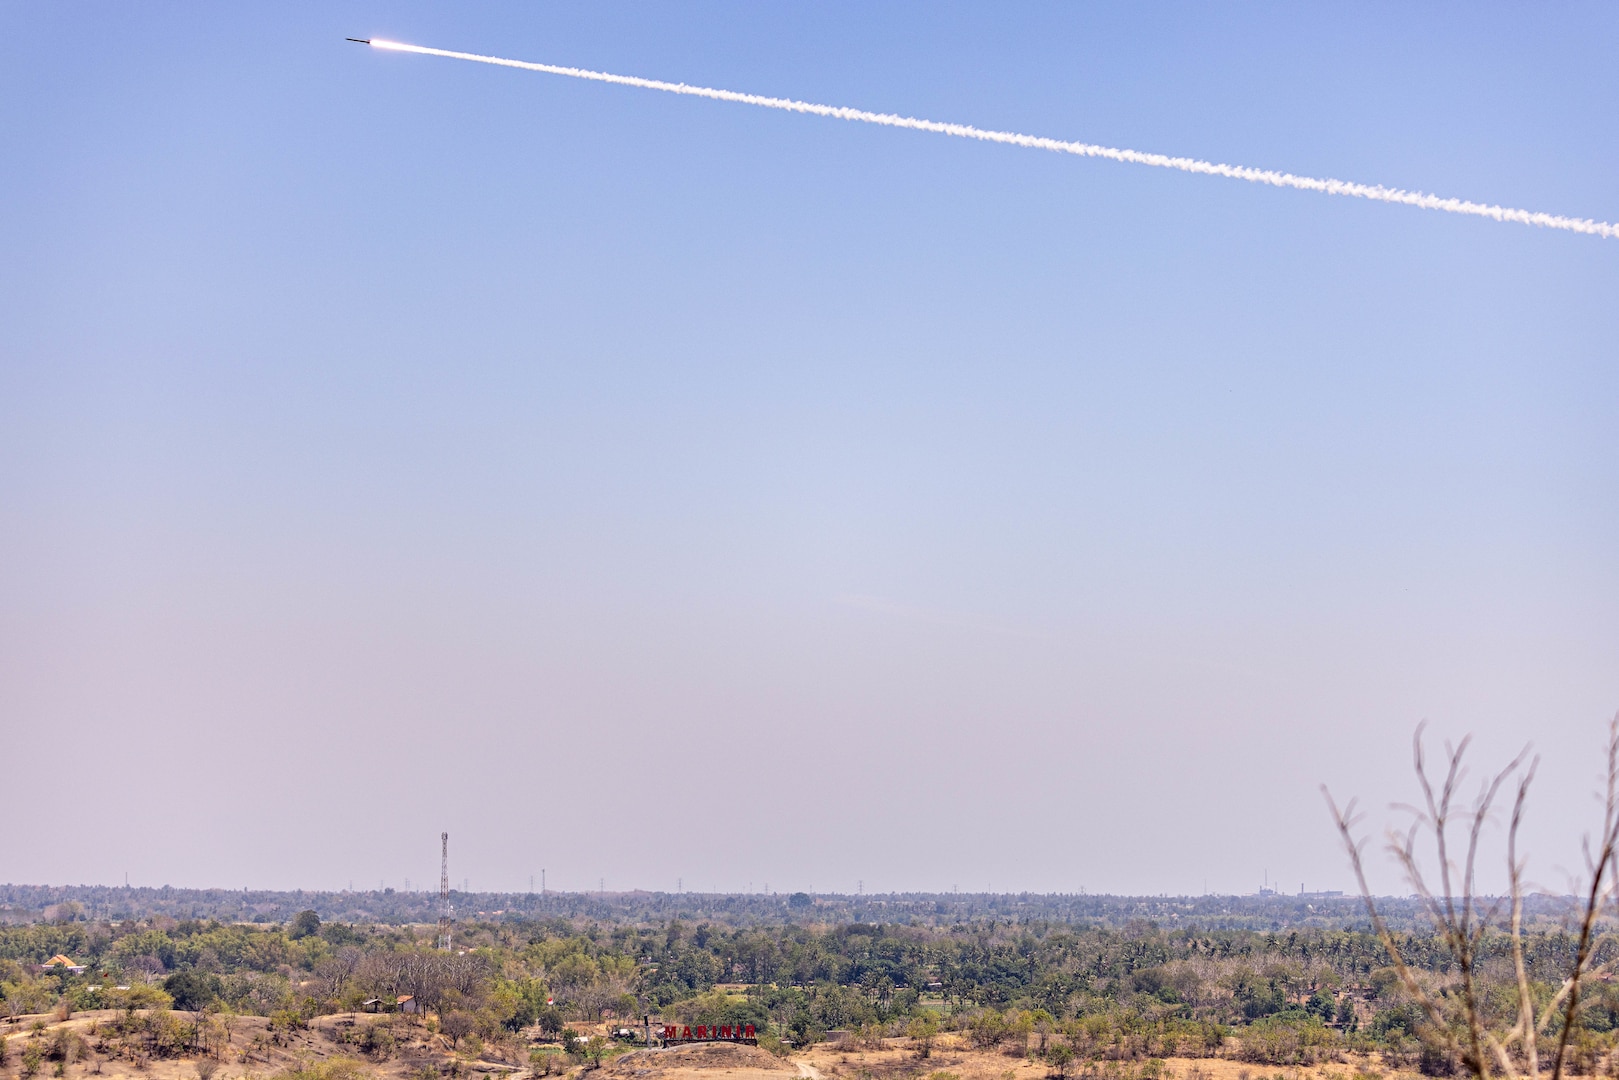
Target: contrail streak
column 1375, row 192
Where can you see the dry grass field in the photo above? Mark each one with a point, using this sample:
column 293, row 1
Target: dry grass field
column 953, row 1059
column 340, row 1047
column 251, row 1048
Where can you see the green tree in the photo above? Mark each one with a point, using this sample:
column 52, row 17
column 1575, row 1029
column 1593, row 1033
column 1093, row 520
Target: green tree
column 193, row 990
column 922, row 1031
column 303, row 925
column 33, row 1055
column 550, row 1021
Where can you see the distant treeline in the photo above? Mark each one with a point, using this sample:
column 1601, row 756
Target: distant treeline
column 1127, row 989
column 36, row 903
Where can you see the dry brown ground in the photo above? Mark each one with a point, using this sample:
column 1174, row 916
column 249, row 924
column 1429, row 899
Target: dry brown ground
column 253, row 1050
column 954, row 1057
column 252, row 1055
column 715, row 1060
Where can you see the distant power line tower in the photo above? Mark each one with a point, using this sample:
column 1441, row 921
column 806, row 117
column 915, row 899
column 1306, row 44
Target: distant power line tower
column 444, row 894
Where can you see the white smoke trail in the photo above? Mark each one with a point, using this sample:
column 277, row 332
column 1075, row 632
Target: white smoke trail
column 1376, row 192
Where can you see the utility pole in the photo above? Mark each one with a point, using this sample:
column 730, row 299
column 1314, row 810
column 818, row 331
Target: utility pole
column 444, row 895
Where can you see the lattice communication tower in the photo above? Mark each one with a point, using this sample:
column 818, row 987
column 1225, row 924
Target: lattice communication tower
column 444, row 894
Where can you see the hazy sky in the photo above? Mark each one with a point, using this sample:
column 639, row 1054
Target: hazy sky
column 646, row 489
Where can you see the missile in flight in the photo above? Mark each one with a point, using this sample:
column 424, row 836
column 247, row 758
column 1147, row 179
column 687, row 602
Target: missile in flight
column 1271, row 177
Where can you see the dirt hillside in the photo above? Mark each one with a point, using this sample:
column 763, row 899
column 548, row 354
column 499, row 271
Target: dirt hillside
column 727, row 1059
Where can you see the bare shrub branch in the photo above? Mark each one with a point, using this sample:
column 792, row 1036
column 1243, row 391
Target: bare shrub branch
column 1463, row 920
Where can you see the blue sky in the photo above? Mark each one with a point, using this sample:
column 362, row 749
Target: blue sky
column 644, row 488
